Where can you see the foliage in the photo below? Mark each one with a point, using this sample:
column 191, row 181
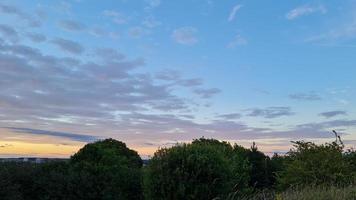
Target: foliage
column 261, row 171
column 320, row 193
column 305, row 193
column 106, row 170
column 204, row 169
column 12, row 180
column 53, row 181
column 310, row 164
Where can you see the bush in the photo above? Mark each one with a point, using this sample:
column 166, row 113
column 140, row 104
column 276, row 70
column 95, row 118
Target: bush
column 204, row 169
column 311, row 164
column 319, row 193
column 10, row 182
column 261, row 170
column 105, row 170
column 52, row 181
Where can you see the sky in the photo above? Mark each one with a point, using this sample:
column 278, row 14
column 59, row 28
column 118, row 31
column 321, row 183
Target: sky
column 154, row 73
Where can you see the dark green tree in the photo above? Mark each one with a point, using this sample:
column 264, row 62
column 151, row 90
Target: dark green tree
column 204, row 169
column 106, row 170
column 9, row 186
column 52, row 181
column 261, row 172
column 312, row 164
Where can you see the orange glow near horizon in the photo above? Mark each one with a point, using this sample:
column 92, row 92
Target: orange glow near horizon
column 25, row 149
column 43, row 149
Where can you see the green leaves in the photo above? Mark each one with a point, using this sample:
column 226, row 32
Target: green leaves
column 312, row 164
column 204, row 169
column 106, row 170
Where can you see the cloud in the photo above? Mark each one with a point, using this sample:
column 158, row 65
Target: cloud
column 176, row 77
column 110, row 94
column 333, row 124
column 153, row 3
column 5, row 145
column 136, row 32
column 230, row 116
column 115, row 16
column 9, row 32
column 17, row 12
column 151, row 22
column 193, row 82
column 36, row 37
column 61, row 90
column 237, row 41
column 270, row 112
column 305, row 10
column 331, row 114
column 71, row 136
column 311, row 96
column 233, row 12
column 185, row 35
column 168, row 75
column 207, row 93
column 70, row 25
column 343, row 31
column 98, row 32
column 109, row 54
column 68, row 46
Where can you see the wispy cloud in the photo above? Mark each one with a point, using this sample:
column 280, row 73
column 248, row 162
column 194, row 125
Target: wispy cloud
column 109, row 54
column 71, row 25
column 344, row 31
column 5, row 145
column 270, row 112
column 331, row 114
column 150, row 22
column 136, row 32
column 305, row 10
column 72, row 136
column 68, row 46
column 230, row 116
column 233, row 12
column 311, row 96
column 176, row 78
column 152, row 3
column 20, row 14
column 237, row 41
column 115, row 16
column 207, row 93
column 9, row 32
column 36, row 37
column 185, row 35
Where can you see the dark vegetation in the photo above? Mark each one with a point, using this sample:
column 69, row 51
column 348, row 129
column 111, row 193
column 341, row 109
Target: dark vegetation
column 204, row 169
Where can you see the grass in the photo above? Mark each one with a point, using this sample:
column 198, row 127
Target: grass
column 307, row 193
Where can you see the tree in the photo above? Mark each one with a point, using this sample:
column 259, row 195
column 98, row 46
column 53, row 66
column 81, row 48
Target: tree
column 52, row 181
column 107, row 170
column 261, row 172
column 9, row 186
column 204, row 169
column 312, row 164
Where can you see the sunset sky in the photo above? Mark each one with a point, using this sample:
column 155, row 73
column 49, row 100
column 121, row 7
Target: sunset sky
column 152, row 73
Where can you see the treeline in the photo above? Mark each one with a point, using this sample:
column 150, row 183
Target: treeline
column 201, row 170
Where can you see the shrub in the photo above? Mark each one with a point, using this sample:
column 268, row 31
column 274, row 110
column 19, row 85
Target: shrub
column 311, row 164
column 105, row 170
column 10, row 182
column 261, row 170
column 319, row 193
column 52, row 181
column 204, row 169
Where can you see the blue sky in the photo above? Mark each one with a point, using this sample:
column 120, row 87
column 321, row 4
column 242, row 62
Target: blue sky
column 156, row 72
